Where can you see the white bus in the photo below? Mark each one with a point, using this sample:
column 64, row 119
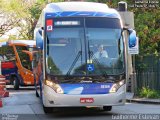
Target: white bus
column 69, row 70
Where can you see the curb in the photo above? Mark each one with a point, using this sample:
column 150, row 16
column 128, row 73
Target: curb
column 142, row 101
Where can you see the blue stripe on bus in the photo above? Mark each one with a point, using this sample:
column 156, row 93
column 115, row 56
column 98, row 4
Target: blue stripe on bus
column 82, row 13
column 86, row 88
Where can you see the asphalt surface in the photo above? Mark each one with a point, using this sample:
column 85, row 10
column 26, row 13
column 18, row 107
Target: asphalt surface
column 24, row 105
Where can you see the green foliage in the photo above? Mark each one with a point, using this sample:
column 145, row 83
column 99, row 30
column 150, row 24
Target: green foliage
column 16, row 7
column 20, row 17
column 35, row 10
column 148, row 93
column 100, row 1
column 146, row 25
column 147, row 62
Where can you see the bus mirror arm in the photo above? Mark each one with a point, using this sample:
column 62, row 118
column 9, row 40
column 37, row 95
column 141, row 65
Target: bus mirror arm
column 125, row 28
column 129, row 30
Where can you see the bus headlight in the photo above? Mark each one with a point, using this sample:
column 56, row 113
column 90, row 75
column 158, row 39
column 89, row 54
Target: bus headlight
column 56, row 87
column 116, row 86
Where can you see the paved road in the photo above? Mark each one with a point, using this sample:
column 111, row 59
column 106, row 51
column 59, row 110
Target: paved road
column 24, row 105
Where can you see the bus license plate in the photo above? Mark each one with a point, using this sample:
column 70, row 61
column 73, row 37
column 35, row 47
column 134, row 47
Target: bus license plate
column 86, row 100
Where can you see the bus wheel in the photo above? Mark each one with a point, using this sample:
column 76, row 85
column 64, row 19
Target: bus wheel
column 107, row 108
column 16, row 83
column 47, row 109
column 37, row 95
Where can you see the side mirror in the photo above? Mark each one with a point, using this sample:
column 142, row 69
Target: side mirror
column 132, row 38
column 39, row 39
column 40, row 31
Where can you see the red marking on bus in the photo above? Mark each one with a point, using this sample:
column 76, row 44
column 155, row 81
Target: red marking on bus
column 49, row 25
column 86, row 100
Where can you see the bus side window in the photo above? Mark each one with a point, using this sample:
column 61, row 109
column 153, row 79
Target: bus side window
column 7, row 53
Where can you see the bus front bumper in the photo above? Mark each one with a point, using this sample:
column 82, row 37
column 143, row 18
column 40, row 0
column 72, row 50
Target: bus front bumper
column 53, row 99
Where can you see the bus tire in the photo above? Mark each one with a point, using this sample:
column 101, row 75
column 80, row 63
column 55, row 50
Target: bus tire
column 15, row 83
column 47, row 109
column 107, row 108
column 37, row 95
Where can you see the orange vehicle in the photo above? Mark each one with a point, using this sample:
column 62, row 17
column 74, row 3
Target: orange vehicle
column 21, row 52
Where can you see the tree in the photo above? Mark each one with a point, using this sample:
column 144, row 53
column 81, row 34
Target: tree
column 146, row 24
column 25, row 14
column 17, row 9
column 6, row 22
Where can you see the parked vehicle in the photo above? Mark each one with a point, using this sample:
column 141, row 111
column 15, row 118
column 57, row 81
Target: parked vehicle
column 16, row 63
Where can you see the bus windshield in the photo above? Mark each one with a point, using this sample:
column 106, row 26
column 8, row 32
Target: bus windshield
column 74, row 44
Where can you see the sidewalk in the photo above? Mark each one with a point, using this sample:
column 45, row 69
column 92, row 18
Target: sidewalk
column 130, row 98
column 21, row 102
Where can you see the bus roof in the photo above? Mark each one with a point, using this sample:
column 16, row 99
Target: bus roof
column 81, row 9
column 27, row 42
column 19, row 42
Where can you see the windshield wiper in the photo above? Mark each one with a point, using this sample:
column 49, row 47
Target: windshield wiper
column 74, row 62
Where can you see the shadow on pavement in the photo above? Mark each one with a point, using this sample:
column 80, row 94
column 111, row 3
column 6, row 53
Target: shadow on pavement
column 78, row 112
column 25, row 88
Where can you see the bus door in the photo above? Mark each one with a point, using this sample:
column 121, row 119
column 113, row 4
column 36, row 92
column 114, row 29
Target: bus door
column 24, row 65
